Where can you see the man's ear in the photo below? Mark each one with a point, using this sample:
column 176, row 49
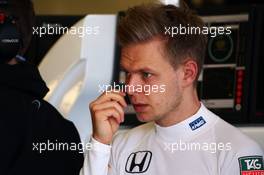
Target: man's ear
column 190, row 71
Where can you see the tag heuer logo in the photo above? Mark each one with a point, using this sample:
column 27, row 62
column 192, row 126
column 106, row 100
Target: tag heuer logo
column 251, row 165
column 197, row 123
column 138, row 162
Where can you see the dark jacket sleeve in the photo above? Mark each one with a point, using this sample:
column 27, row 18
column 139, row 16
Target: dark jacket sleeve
column 13, row 126
column 37, row 140
column 61, row 151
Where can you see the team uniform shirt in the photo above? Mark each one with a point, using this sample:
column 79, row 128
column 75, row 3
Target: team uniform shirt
column 203, row 144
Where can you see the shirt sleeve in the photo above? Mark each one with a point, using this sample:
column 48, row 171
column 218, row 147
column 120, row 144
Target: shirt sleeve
column 246, row 161
column 97, row 159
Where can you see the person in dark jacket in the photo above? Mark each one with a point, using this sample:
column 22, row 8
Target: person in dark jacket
column 35, row 138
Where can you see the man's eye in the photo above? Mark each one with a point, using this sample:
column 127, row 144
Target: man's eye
column 147, row 74
column 128, row 74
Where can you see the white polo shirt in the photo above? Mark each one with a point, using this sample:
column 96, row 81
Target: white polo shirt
column 203, row 144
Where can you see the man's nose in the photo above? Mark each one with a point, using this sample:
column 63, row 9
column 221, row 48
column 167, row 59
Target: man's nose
column 133, row 83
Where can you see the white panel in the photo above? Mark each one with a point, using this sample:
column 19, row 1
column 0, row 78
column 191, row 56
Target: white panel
column 98, row 51
column 74, row 68
column 63, row 54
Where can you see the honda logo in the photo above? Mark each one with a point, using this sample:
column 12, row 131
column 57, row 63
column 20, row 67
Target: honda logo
column 138, row 162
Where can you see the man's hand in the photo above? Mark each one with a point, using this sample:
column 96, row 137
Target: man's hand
column 107, row 113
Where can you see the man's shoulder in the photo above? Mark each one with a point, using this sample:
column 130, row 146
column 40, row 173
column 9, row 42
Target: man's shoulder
column 240, row 142
column 48, row 109
column 223, row 131
column 48, row 119
column 241, row 147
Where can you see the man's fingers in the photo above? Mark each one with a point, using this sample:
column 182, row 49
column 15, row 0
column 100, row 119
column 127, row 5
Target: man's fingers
column 113, row 96
column 110, row 104
column 115, row 92
column 107, row 113
column 114, row 124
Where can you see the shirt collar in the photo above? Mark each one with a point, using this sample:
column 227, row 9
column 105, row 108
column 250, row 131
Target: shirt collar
column 191, row 126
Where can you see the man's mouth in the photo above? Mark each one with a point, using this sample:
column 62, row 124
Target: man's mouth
column 139, row 107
